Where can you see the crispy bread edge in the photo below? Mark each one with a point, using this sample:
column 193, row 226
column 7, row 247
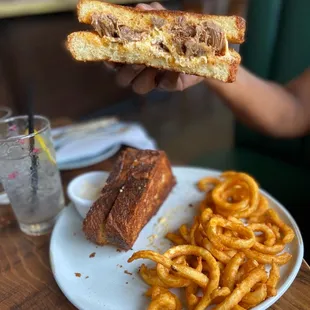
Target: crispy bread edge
column 240, row 22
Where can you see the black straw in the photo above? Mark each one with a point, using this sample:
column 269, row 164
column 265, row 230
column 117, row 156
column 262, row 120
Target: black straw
column 33, row 155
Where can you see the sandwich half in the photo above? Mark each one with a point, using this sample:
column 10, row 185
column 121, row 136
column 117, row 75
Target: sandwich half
column 138, row 185
column 171, row 40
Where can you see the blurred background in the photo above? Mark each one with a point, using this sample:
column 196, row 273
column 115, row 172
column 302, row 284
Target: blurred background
column 194, row 127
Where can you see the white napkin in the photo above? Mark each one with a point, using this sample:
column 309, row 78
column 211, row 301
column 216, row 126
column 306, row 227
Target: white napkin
column 81, row 146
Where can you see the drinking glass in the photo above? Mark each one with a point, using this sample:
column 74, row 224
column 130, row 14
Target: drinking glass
column 29, row 173
column 5, row 112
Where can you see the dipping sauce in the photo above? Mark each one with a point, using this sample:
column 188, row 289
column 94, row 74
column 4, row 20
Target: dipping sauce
column 91, row 191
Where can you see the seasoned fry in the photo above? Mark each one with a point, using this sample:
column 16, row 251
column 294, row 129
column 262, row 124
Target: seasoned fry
column 231, row 253
column 262, row 206
column 213, row 268
column 241, row 209
column 257, row 296
column 191, row 290
column 184, row 233
column 193, row 231
column 275, row 249
column 199, row 235
column 288, row 233
column 207, row 183
column 164, row 262
column 237, row 307
column 230, row 272
column 249, row 265
column 196, row 262
column 190, row 294
column 206, row 216
column 186, row 272
column 255, row 276
column 219, row 295
column 150, row 276
column 219, row 255
column 176, row 239
column 276, row 230
column 281, row 259
column 246, row 240
column 154, row 291
column 269, row 235
column 272, row 282
column 180, row 260
column 163, row 299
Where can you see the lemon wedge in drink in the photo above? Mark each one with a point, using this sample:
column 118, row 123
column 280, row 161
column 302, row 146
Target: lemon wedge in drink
column 40, row 140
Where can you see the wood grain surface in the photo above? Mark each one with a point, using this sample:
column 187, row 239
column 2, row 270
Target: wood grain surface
column 26, row 279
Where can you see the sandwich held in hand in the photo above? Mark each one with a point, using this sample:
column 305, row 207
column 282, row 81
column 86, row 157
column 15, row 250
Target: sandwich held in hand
column 191, row 43
column 137, row 186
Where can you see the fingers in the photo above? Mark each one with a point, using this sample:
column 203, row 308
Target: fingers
column 145, row 7
column 112, row 66
column 127, row 73
column 157, row 6
column 190, row 80
column 150, row 7
column 145, row 81
column 173, row 81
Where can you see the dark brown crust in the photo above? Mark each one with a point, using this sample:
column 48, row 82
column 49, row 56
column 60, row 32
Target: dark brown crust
column 165, row 13
column 233, row 73
column 241, row 24
column 149, row 183
column 134, row 193
column 99, row 211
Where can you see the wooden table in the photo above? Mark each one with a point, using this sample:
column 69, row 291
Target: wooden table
column 26, row 279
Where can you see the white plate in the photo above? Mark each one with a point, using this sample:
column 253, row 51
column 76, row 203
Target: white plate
column 86, row 162
column 105, row 285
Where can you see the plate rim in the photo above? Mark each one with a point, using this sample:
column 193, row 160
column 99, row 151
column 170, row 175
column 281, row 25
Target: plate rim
column 90, row 161
column 267, row 303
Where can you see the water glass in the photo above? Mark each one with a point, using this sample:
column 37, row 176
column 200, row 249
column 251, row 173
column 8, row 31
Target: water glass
column 5, row 112
column 29, row 173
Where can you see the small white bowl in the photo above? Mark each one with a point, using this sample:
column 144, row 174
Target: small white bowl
column 82, row 190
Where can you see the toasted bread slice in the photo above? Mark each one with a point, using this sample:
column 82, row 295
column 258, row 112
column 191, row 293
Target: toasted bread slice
column 96, row 216
column 171, row 40
column 233, row 26
column 137, row 186
column 88, row 46
column 149, row 182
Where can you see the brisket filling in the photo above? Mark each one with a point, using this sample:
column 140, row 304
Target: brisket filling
column 107, row 25
column 196, row 40
column 189, row 40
